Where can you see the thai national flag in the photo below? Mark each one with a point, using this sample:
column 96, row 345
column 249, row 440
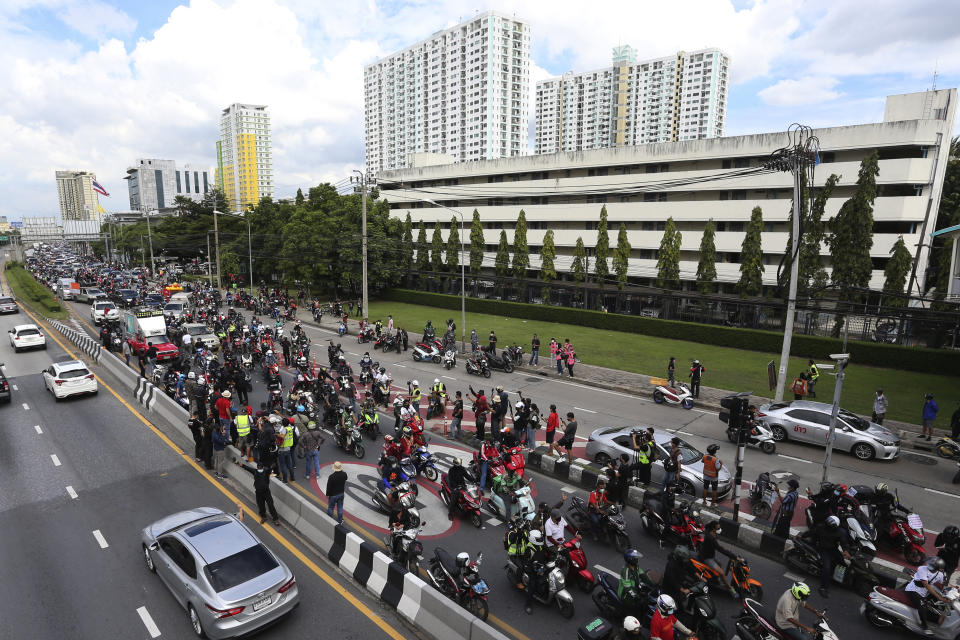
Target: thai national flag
column 99, row 189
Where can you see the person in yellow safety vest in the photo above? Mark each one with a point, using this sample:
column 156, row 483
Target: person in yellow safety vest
column 438, row 394
column 813, row 373
column 415, row 394
column 285, row 454
column 243, row 433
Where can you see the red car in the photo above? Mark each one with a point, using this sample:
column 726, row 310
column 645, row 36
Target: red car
column 166, row 350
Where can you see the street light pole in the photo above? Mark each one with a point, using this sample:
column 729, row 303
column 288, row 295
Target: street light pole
column 150, row 237
column 216, row 240
column 363, row 240
column 209, row 274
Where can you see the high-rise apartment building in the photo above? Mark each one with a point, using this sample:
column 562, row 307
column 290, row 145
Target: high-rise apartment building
column 152, row 184
column 245, row 155
column 78, row 200
column 462, row 92
column 670, row 99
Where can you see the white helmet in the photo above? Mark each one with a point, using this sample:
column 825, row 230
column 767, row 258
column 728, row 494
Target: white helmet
column 631, row 624
column 463, row 558
column 415, row 383
column 536, row 537
column 192, row 375
column 435, row 381
column 269, row 352
column 519, row 404
column 666, row 604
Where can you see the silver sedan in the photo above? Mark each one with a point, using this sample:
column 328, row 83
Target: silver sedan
column 216, row 568
column 607, row 443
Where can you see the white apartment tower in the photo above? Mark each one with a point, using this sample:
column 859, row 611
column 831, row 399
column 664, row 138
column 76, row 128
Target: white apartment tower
column 245, row 155
column 78, row 200
column 670, row 99
column 462, row 92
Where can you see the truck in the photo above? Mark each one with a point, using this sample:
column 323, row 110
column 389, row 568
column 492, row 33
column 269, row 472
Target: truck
column 143, row 327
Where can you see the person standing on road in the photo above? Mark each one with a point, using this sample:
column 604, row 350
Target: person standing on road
column 492, row 343
column 711, row 473
column 643, row 455
column 480, row 410
column 221, row 438
column 788, row 504
column 571, row 360
column 553, row 423
column 535, row 350
column 457, row 416
column 930, row 409
column 671, row 466
column 285, row 452
column 813, row 374
column 261, row 487
column 696, row 373
column 336, row 487
column 142, row 362
column 498, row 413
column 310, row 442
column 196, row 429
column 672, row 372
column 880, row 407
column 559, row 356
column 126, row 352
column 569, row 435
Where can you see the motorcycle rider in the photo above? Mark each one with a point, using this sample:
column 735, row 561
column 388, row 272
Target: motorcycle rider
column 366, row 361
column 679, row 573
column 429, row 333
column 833, row 545
column 506, row 484
column 948, row 547
column 664, row 621
column 630, row 577
column 787, row 616
column 438, row 395
column 708, row 553
column 597, row 506
column 535, row 562
column 927, row 582
column 343, row 369
column 399, row 522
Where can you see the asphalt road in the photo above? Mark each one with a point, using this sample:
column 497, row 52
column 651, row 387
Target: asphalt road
column 80, row 479
column 595, row 408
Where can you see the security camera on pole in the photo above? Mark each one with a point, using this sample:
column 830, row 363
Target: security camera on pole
column 737, row 417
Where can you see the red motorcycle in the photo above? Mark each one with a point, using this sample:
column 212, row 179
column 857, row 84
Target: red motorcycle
column 904, row 532
column 676, row 523
column 495, row 465
column 513, row 460
column 467, row 498
column 575, row 559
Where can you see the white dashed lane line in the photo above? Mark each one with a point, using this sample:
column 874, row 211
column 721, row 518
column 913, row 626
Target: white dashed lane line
column 71, row 492
column 582, row 409
column 100, row 539
column 794, row 459
column 148, row 622
column 942, row 493
column 16, row 388
column 38, row 429
column 26, row 407
column 607, row 571
column 56, row 460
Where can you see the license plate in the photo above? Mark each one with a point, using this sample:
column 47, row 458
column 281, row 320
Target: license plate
column 261, row 603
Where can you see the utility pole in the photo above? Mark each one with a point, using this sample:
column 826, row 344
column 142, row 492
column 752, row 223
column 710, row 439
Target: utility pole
column 143, row 255
column 249, row 251
column 841, row 359
column 209, row 275
column 150, row 237
column 216, row 240
column 362, row 180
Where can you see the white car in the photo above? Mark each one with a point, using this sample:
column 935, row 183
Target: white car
column 8, row 305
column 27, row 336
column 69, row 378
column 102, row 310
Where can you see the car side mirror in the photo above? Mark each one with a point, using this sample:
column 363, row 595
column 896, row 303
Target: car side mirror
column 154, row 546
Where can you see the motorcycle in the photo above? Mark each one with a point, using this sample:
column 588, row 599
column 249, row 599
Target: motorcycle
column 495, row 465
column 680, row 395
column 450, row 359
column 612, row 607
column 751, row 625
column 275, row 389
column 246, row 361
column 858, row 524
column 391, row 342
column 405, row 548
column 572, row 556
column 888, row 608
column 739, row 570
column 366, row 375
column 853, row 573
column 948, row 448
column 515, row 354
column 367, row 335
column 550, row 591
column 902, row 530
column 759, row 436
column 158, row 375
column 406, row 496
column 699, row 612
column 477, row 367
column 514, row 460
column 612, row 525
column 500, row 362
column 682, row 527
column 525, row 506
column 341, row 328
column 468, row 500
column 424, row 464
column 349, row 439
column 370, row 424
column 468, row 590
column 427, row 352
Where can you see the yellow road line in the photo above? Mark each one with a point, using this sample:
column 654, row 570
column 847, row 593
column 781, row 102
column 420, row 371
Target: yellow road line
column 289, row 546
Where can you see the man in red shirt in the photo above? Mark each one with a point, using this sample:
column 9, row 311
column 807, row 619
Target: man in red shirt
column 553, row 423
column 597, row 505
column 480, row 409
column 664, row 622
column 223, row 409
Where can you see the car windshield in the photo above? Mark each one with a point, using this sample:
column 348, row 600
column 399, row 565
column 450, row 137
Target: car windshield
column 6, row 300
column 688, row 455
column 239, row 568
column 73, row 373
column 158, row 340
column 199, row 330
column 93, row 292
column 103, row 306
column 128, row 293
column 173, row 306
column 854, row 421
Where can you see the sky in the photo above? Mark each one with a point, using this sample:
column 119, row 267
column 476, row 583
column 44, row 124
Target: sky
column 96, row 84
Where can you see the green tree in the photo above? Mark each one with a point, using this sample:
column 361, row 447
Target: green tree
column 453, row 246
column 707, row 267
column 477, row 244
column 423, row 256
column 436, row 250
column 668, row 257
column 548, row 269
column 621, row 257
column 406, row 245
column 751, row 257
column 895, row 274
column 299, row 199
column 502, row 262
column 601, row 269
column 579, row 267
column 521, row 251
column 813, row 275
column 852, row 236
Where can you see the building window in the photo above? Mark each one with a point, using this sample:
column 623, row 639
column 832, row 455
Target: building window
column 158, row 177
column 206, row 189
column 186, row 179
column 178, row 182
column 196, row 183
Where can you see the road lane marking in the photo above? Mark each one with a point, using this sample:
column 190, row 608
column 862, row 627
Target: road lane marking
column 793, row 576
column 16, row 388
column 599, row 567
column 684, row 433
column 56, row 460
column 886, row 563
column 397, row 364
column 942, row 493
column 100, row 539
column 794, row 459
column 71, row 492
column 448, row 377
column 568, row 490
column 582, row 409
column 37, row 427
column 493, row 522
column 26, row 407
column 148, row 622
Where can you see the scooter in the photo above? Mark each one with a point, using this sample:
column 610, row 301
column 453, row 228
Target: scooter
column 495, row 465
column 739, row 570
column 406, row 496
column 751, row 625
column 612, row 607
column 500, row 362
column 342, row 328
column 853, row 573
column 858, row 525
column 478, row 367
column 572, row 555
column 450, row 359
column 902, row 530
column 683, row 527
column 424, row 464
column 612, row 525
column 759, row 436
column 468, row 500
column 349, row 439
column 551, row 590
column 405, row 548
column 469, row 591
column 888, row 608
column 367, row 335
column 680, row 395
column 513, row 460
column 525, row 506
column 948, row 448
column 366, row 375
column 700, row 614
column 427, row 352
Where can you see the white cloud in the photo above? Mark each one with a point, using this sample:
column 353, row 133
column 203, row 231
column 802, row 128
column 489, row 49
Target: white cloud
column 96, row 20
column 809, row 90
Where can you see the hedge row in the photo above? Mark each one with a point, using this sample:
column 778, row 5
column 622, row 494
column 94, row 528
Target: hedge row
column 918, row 359
column 33, row 290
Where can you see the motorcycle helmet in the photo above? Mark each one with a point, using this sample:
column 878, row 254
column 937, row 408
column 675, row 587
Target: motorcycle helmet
column 951, row 532
column 632, row 557
column 519, row 404
column 383, row 369
column 937, row 563
column 192, row 375
column 666, row 605
column 833, row 522
column 800, row 591
column 269, row 352
column 881, row 488
column 839, row 489
column 301, row 408
column 682, row 553
column 436, row 381
column 341, row 358
column 712, row 449
column 366, row 354
column 462, row 559
column 631, row 624
column 536, row 537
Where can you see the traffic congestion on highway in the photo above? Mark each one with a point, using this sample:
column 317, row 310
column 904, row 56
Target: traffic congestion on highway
column 309, row 394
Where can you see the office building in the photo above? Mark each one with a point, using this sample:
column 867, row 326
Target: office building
column 464, row 91
column 245, row 155
column 644, row 185
column 78, row 200
column 670, row 99
column 153, row 184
